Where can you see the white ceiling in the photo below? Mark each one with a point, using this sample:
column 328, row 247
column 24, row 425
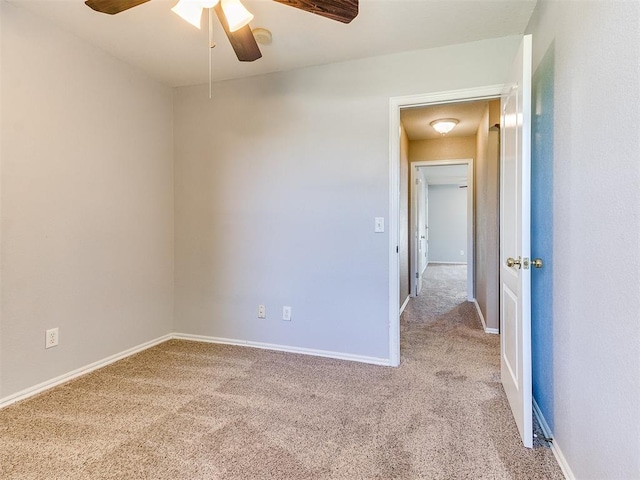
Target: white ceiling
column 417, row 121
column 445, row 174
column 169, row 49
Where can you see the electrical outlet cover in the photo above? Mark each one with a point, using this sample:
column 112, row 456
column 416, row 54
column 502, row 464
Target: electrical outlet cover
column 51, row 338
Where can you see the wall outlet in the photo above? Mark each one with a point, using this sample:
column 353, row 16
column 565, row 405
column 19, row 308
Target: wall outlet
column 262, row 311
column 51, row 338
column 462, row 253
column 286, row 313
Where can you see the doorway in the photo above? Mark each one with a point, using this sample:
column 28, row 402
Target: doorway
column 449, row 227
column 514, row 226
column 396, row 105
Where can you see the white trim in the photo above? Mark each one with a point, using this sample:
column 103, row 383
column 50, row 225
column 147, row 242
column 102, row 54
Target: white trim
column 283, row 348
column 394, row 233
column 413, row 262
column 544, row 426
column 484, row 324
column 54, row 382
column 555, row 448
column 414, row 241
column 395, row 103
column 562, row 461
column 436, row 262
column 493, row 331
column 404, row 305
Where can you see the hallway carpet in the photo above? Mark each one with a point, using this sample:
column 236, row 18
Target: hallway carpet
column 188, row 410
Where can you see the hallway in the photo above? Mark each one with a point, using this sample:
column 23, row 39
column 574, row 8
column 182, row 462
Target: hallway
column 476, row 434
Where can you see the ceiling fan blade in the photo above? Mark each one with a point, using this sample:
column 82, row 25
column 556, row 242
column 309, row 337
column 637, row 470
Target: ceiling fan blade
column 242, row 40
column 341, row 10
column 113, row 6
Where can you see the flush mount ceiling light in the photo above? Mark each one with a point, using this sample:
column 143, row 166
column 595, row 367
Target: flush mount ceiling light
column 444, row 125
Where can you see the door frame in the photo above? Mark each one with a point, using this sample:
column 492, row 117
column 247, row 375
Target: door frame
column 395, row 104
column 413, row 261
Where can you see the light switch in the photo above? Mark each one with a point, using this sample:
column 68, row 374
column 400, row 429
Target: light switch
column 379, row 228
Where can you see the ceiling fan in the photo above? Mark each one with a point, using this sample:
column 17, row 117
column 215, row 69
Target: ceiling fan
column 235, row 18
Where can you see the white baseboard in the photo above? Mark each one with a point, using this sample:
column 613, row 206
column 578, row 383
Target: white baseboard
column 41, row 387
column 541, row 420
column 437, row 262
column 555, row 448
column 484, row 324
column 404, row 305
column 284, row 348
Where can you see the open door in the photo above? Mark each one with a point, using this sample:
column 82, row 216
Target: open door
column 416, row 231
column 420, row 229
column 515, row 273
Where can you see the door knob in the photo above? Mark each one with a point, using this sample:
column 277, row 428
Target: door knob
column 512, row 262
column 536, row 262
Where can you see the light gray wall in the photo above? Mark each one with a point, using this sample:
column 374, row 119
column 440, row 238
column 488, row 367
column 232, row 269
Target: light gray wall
column 281, row 168
column 447, row 223
column 87, row 205
column 596, row 232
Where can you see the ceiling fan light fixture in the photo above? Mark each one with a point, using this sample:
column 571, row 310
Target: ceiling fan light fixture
column 190, row 10
column 444, row 125
column 236, row 14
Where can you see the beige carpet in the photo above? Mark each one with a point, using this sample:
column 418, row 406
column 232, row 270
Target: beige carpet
column 186, row 410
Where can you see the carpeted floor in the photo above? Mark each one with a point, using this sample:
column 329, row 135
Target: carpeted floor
column 186, row 410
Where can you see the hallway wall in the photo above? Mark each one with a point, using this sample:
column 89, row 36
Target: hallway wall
column 447, row 224
column 487, row 213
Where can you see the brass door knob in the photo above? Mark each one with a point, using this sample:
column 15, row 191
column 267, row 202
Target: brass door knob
column 512, row 262
column 536, row 262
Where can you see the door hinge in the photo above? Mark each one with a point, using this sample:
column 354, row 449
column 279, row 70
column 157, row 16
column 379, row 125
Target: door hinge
column 417, row 276
column 397, row 249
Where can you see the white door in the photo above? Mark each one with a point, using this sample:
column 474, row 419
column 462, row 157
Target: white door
column 426, row 226
column 419, row 229
column 515, row 273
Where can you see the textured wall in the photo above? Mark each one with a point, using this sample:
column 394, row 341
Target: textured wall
column 282, row 168
column 542, row 163
column 445, row 148
column 596, row 222
column 487, row 214
column 480, row 177
column 87, row 206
